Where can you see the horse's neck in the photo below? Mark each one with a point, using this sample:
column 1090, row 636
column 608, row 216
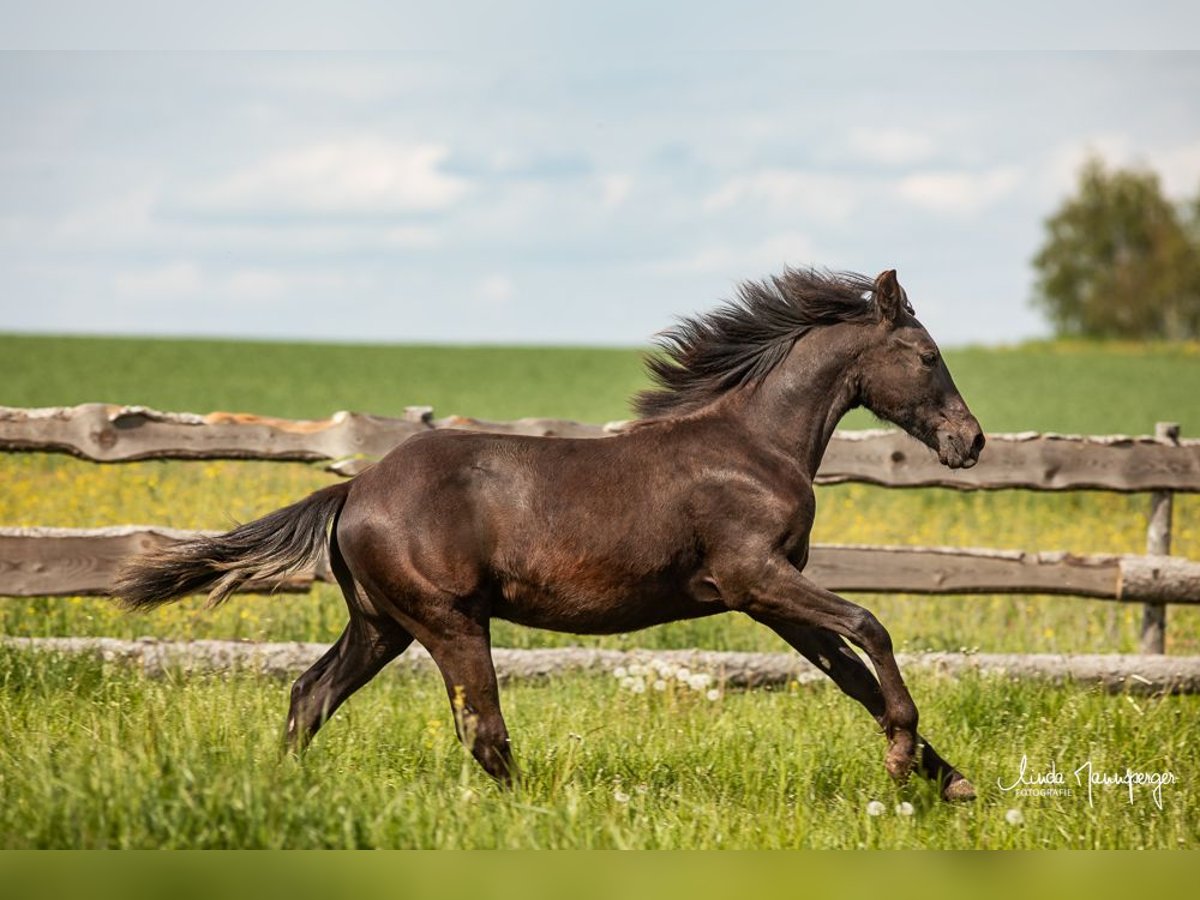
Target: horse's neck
column 797, row 407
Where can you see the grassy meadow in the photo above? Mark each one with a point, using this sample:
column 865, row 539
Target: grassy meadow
column 98, row 755
column 92, row 754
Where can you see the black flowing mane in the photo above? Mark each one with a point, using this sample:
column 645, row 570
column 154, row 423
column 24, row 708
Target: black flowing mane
column 741, row 341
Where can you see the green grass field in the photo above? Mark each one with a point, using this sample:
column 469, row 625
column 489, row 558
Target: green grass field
column 94, row 755
column 97, row 755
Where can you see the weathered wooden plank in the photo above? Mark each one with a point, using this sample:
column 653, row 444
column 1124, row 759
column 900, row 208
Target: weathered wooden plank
column 37, row 562
column 1048, row 462
column 108, row 433
column 1041, row 462
column 951, row 570
column 68, row 561
column 1155, row 674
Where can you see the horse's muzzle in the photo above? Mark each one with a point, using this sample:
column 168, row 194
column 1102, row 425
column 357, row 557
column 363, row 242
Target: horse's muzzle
column 959, row 448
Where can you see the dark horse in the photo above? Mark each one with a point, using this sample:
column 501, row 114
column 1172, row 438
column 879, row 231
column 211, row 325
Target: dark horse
column 702, row 506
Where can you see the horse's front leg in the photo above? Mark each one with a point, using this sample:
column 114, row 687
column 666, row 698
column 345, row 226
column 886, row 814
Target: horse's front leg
column 828, row 652
column 784, row 600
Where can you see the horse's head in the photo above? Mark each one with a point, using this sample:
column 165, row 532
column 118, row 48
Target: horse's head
column 903, row 378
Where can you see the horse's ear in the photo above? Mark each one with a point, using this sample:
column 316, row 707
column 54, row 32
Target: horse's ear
column 889, row 296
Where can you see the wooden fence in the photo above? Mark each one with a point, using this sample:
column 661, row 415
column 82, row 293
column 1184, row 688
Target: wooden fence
column 52, row 561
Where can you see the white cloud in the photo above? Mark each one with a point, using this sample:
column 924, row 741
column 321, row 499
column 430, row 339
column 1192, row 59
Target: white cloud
column 813, row 194
column 411, row 236
column 256, row 284
column 338, row 177
column 170, row 280
column 121, row 218
column 959, row 193
column 1177, row 165
column 1061, row 170
column 251, row 284
column 771, row 254
column 891, row 146
column 615, row 190
column 496, row 289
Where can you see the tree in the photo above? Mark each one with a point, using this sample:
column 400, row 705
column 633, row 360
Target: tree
column 1121, row 260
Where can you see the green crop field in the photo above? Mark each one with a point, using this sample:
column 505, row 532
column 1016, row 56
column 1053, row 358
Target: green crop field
column 94, row 755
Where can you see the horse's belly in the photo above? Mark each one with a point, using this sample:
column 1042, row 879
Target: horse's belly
column 598, row 612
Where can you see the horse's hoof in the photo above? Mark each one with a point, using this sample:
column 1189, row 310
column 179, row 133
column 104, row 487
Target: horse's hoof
column 900, row 765
column 958, row 790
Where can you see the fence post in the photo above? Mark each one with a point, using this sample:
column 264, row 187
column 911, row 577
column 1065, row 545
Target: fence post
column 1158, row 542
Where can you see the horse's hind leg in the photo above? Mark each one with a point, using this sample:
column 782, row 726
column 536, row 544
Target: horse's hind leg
column 828, row 652
column 368, row 643
column 364, row 648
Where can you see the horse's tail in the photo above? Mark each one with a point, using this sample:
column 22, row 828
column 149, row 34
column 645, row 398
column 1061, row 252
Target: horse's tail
column 279, row 544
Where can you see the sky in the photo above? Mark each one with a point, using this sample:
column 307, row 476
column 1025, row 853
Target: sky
column 443, row 192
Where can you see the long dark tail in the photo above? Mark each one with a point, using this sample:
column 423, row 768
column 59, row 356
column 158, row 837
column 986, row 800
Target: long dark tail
column 282, row 543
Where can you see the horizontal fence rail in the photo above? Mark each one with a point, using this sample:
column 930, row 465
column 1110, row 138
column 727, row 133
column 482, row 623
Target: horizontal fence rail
column 1115, row 673
column 1046, row 462
column 70, row 561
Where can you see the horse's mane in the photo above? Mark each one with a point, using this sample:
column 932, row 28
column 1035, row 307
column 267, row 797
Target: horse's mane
column 741, row 341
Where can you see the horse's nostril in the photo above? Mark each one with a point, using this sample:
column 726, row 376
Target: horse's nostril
column 977, row 444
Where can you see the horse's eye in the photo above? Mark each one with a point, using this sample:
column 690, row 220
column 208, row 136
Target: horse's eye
column 929, row 357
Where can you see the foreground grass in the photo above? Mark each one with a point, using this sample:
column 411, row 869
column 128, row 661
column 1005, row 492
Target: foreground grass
column 98, row 755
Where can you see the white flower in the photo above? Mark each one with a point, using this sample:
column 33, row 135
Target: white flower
column 638, row 686
column 1014, row 817
column 637, row 670
column 713, row 694
column 620, row 796
column 683, row 674
column 660, row 685
column 875, row 808
column 626, row 683
column 620, row 672
column 699, row 682
column 904, row 809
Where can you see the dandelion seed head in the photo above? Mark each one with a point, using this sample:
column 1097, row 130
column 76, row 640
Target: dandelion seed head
column 1014, row 817
column 713, row 694
column 620, row 672
column 620, row 796
column 638, row 686
column 875, row 808
column 904, row 809
column 659, row 684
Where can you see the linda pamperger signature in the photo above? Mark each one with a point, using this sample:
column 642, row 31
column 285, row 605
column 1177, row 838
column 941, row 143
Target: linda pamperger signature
column 1051, row 782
